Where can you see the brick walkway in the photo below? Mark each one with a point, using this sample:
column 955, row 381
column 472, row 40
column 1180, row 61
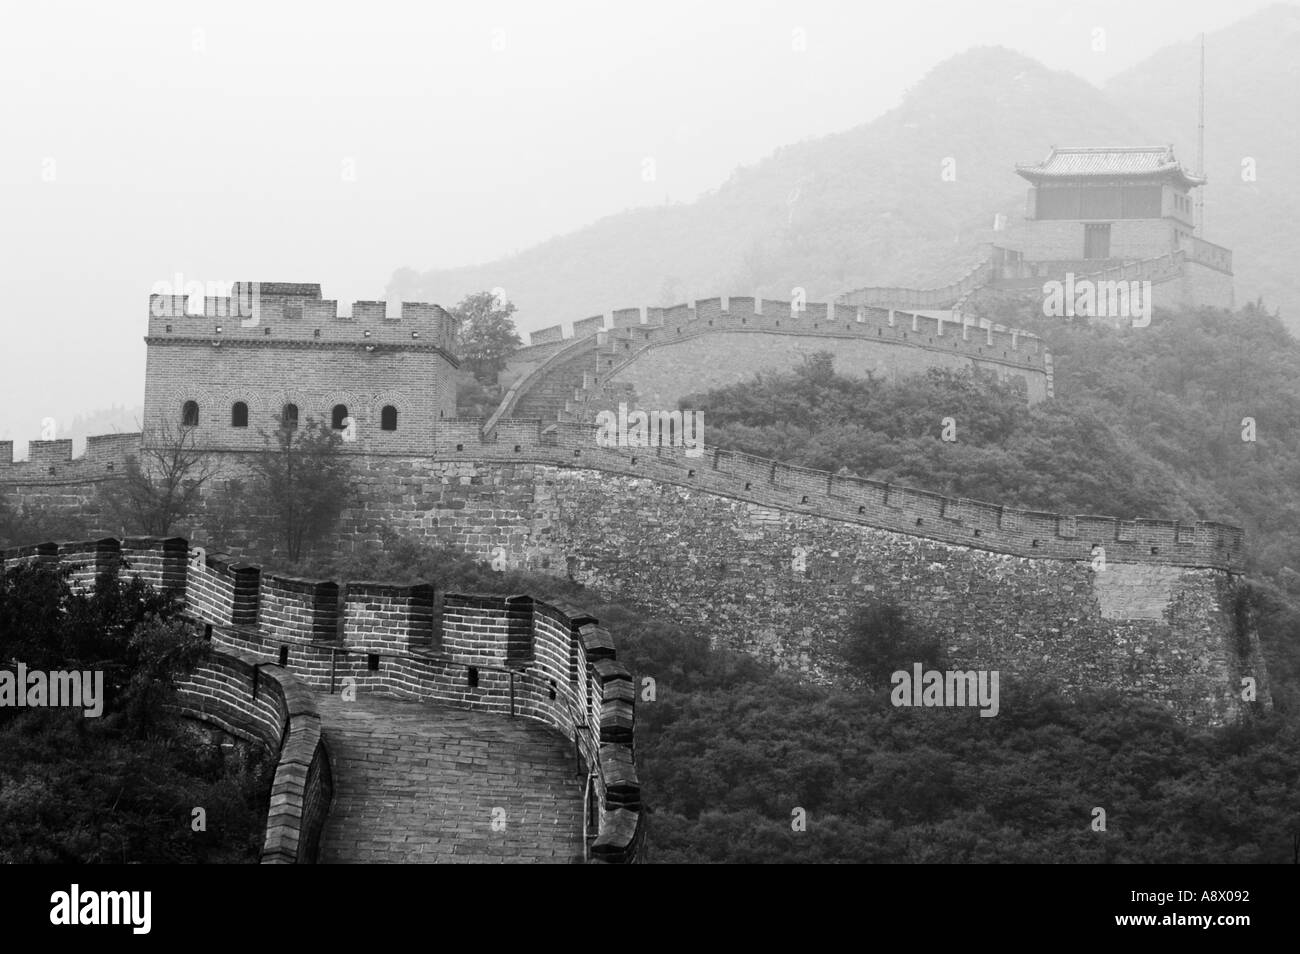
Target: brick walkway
column 418, row 783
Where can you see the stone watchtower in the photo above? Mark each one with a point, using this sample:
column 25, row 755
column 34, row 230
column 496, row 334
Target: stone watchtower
column 275, row 352
column 1093, row 208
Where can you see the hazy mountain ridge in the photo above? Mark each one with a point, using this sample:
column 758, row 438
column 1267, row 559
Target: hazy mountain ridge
column 868, row 205
column 1250, row 69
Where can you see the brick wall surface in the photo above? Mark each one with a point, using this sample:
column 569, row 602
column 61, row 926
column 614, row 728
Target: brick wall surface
column 418, row 384
column 725, row 563
column 662, row 376
column 1063, row 239
column 263, row 703
column 744, row 335
column 654, row 524
column 497, row 654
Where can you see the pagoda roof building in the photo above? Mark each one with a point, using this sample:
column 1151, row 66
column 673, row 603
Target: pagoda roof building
column 1091, row 163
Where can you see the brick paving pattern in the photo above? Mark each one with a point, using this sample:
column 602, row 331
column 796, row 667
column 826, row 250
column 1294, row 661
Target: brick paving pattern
column 415, row 782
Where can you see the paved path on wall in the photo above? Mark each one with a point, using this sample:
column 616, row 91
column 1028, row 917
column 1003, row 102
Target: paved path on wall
column 415, row 782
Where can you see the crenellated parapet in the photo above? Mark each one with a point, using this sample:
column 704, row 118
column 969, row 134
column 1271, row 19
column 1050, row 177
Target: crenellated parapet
column 506, row 654
column 563, row 378
column 630, row 328
column 317, row 322
column 51, row 462
column 253, row 316
column 961, row 521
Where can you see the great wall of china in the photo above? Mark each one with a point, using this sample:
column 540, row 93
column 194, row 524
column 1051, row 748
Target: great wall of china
column 285, row 649
column 657, row 356
column 755, row 555
column 697, row 539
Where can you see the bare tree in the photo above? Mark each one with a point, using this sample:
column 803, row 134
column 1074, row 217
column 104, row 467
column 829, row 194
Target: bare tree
column 162, row 485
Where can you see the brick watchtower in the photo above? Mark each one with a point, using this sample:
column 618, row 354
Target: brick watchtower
column 276, row 351
column 1097, row 208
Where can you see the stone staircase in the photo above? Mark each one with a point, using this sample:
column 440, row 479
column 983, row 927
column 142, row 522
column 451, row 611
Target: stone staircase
column 565, row 386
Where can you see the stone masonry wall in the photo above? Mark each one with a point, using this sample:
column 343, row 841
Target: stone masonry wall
column 662, row 376
column 588, row 365
column 728, row 566
column 261, row 702
column 1062, row 239
column 712, row 540
column 498, row 654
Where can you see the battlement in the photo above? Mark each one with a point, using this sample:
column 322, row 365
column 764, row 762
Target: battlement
column 273, row 314
column 52, row 461
column 918, row 328
column 559, row 377
column 959, row 521
column 510, row 654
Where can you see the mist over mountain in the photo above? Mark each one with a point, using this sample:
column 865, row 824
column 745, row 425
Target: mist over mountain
column 1252, row 96
column 869, row 206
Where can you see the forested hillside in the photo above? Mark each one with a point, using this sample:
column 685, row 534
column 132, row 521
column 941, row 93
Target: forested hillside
column 1146, row 422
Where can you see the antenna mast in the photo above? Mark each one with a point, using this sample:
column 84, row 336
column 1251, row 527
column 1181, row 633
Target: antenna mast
column 1200, row 144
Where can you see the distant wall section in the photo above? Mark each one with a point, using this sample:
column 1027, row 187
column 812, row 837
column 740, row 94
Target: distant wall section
column 661, row 376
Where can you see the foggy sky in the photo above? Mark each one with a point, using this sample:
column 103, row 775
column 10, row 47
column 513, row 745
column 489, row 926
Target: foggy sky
column 212, row 139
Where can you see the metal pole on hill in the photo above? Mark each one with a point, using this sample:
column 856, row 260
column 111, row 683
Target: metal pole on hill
column 1200, row 144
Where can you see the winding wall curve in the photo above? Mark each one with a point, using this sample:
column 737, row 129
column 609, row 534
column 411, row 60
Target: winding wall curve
column 512, row 655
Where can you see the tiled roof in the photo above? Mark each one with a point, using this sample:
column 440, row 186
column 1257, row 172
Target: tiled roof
column 1074, row 161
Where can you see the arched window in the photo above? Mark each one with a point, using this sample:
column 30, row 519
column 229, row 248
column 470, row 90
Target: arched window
column 388, row 418
column 340, row 413
column 239, row 414
column 289, row 416
column 190, row 414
